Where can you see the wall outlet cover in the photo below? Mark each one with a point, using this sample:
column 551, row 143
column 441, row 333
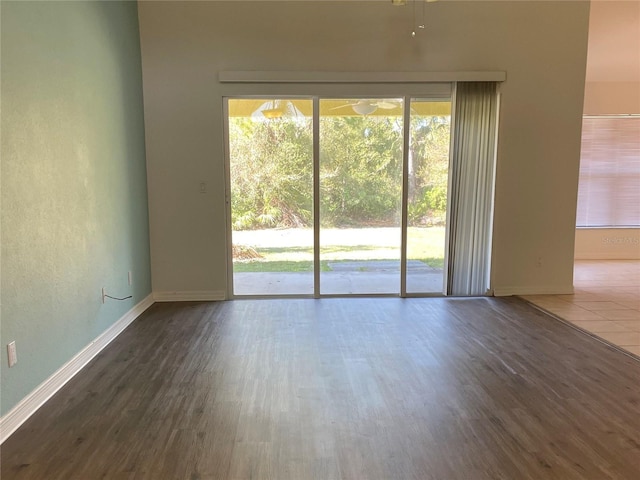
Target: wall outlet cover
column 12, row 354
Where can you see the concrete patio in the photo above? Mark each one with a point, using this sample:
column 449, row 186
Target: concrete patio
column 357, row 277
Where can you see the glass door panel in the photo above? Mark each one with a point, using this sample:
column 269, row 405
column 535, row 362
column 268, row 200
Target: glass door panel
column 360, row 195
column 428, row 172
column 271, row 179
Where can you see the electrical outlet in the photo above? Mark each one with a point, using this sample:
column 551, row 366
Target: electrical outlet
column 11, row 354
column 104, row 293
column 130, row 278
column 539, row 262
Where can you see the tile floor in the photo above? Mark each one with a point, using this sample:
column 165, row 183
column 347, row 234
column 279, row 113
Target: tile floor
column 606, row 301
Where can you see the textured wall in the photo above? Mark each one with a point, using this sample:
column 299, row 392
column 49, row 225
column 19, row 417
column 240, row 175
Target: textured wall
column 74, row 196
column 542, row 46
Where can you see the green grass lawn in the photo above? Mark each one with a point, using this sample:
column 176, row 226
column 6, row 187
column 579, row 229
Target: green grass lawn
column 282, row 266
column 277, row 266
column 424, row 244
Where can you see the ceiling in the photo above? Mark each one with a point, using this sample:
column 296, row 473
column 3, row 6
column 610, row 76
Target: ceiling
column 245, row 107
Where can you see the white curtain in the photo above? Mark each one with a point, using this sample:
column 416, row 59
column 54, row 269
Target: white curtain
column 472, row 169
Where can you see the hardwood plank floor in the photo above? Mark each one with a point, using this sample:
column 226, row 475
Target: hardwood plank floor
column 378, row 388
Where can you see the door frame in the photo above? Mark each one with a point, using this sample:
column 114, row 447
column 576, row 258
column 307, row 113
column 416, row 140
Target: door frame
column 316, row 92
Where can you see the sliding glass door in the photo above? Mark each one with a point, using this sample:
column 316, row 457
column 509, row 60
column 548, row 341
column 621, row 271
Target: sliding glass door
column 324, row 193
column 270, row 150
column 427, row 191
column 360, row 195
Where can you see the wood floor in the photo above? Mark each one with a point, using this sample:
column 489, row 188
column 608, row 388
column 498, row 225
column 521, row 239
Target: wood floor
column 379, row 388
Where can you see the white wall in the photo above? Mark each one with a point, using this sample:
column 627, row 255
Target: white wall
column 611, row 98
column 541, row 45
column 607, row 244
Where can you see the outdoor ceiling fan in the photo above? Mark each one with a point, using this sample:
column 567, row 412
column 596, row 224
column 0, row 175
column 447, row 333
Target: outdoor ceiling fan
column 273, row 109
column 368, row 106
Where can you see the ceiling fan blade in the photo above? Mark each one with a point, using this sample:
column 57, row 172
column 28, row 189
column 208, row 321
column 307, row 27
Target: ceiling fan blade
column 346, row 105
column 386, row 105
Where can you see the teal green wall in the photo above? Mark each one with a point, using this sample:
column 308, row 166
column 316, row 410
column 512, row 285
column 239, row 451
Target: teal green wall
column 73, row 181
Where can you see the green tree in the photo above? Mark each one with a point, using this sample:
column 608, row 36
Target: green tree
column 271, row 173
column 361, row 169
column 429, row 170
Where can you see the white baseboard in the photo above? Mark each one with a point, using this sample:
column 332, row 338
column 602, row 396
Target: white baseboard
column 190, row 296
column 43, row 392
column 534, row 290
